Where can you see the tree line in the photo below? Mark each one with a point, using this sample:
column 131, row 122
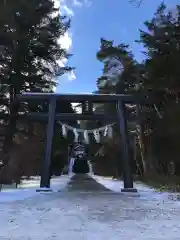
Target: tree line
column 156, row 76
column 29, row 62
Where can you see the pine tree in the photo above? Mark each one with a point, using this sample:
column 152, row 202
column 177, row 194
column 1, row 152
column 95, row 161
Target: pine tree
column 121, row 71
column 161, row 42
column 29, row 51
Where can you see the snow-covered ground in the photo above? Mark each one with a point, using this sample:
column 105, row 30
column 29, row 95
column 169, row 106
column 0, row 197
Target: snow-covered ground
column 144, row 191
column 28, row 189
column 72, row 215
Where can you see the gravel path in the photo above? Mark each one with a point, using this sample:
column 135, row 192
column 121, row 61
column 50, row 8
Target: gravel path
column 99, row 214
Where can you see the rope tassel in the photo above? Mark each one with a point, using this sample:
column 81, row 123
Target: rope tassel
column 86, row 136
column 64, row 131
column 96, row 136
column 110, row 131
column 106, row 131
column 76, row 135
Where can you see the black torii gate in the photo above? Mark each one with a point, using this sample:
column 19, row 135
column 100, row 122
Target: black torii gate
column 88, row 100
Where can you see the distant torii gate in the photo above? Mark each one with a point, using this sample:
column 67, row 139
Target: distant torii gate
column 87, row 99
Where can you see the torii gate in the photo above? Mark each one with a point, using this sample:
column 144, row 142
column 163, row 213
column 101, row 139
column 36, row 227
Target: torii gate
column 88, row 100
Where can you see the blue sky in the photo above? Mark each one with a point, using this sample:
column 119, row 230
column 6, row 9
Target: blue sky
column 116, row 20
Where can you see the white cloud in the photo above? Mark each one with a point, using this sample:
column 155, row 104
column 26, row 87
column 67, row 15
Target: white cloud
column 66, row 40
column 67, row 11
column 66, row 43
column 77, row 3
column 72, row 76
column 57, row 3
column 80, row 3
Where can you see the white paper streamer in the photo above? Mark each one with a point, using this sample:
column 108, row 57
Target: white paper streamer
column 82, row 130
column 64, row 131
column 76, row 135
column 86, row 136
column 110, row 131
column 97, row 136
column 106, row 131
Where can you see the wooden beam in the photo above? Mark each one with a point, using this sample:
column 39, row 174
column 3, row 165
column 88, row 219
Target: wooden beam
column 45, row 175
column 69, row 116
column 85, row 97
column 127, row 174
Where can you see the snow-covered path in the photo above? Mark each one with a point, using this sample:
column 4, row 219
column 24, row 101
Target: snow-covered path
column 73, row 214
